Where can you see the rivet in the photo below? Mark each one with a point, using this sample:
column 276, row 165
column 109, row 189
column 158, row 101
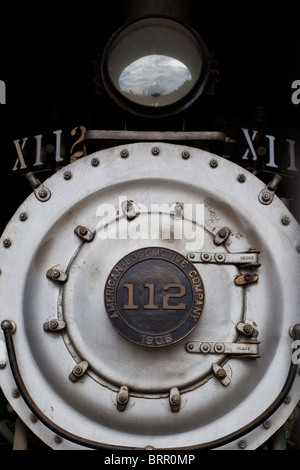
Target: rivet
column 57, row 439
column 242, row 444
column 155, row 151
column 185, row 154
column 285, row 220
column 190, row 346
column 6, row 243
column 67, row 175
column 95, row 162
column 23, row 216
column 288, row 400
column 124, row 153
column 213, row 163
column 242, row 178
column 192, row 256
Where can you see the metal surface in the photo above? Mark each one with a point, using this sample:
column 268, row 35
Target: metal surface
column 88, row 407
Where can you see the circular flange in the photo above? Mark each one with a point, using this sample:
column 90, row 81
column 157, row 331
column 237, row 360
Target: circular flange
column 154, row 296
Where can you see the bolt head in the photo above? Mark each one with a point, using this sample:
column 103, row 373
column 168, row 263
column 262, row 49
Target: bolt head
column 43, row 193
column 122, row 398
column 213, row 163
column 285, row 220
column 155, row 151
column 221, row 373
column 55, row 274
column 95, row 162
column 67, row 175
column 185, row 154
column 6, row 243
column 266, row 196
column 242, row 178
column 23, row 216
column 175, row 399
column 82, row 230
column 124, row 153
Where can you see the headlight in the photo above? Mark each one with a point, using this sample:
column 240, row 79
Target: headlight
column 155, row 66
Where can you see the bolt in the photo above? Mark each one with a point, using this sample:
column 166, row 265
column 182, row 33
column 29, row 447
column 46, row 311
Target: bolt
column 6, row 243
column 82, row 230
column 267, row 424
column 192, row 256
column 190, row 346
column 77, row 370
column 122, row 398
column 221, row 373
column 214, row 163
column 247, row 277
column 57, row 439
column 248, row 329
column 155, row 151
column 288, row 400
column 185, row 154
column 285, row 220
column 175, row 399
column 67, row 175
column 23, row 216
column 55, row 274
column 15, row 393
column 33, row 418
column 242, row 178
column 95, row 162
column 266, row 196
column 223, row 232
column 242, row 444
column 124, row 153
column 53, row 324
column 43, row 193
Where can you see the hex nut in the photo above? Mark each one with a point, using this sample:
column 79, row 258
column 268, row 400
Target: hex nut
column 95, row 161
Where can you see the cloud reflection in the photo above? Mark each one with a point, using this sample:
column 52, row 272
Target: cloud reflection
column 155, row 80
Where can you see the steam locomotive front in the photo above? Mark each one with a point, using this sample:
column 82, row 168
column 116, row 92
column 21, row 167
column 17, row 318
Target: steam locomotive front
column 149, row 290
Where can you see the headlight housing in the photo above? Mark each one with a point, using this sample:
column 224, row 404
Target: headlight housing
column 155, row 66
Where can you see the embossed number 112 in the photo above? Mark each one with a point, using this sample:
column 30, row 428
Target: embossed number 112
column 151, row 293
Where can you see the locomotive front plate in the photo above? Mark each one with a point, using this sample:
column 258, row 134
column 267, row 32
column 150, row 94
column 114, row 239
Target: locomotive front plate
column 154, row 296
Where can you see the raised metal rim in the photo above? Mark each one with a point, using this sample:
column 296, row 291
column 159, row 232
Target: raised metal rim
column 164, row 111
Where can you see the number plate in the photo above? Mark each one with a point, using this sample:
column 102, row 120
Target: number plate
column 154, row 296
